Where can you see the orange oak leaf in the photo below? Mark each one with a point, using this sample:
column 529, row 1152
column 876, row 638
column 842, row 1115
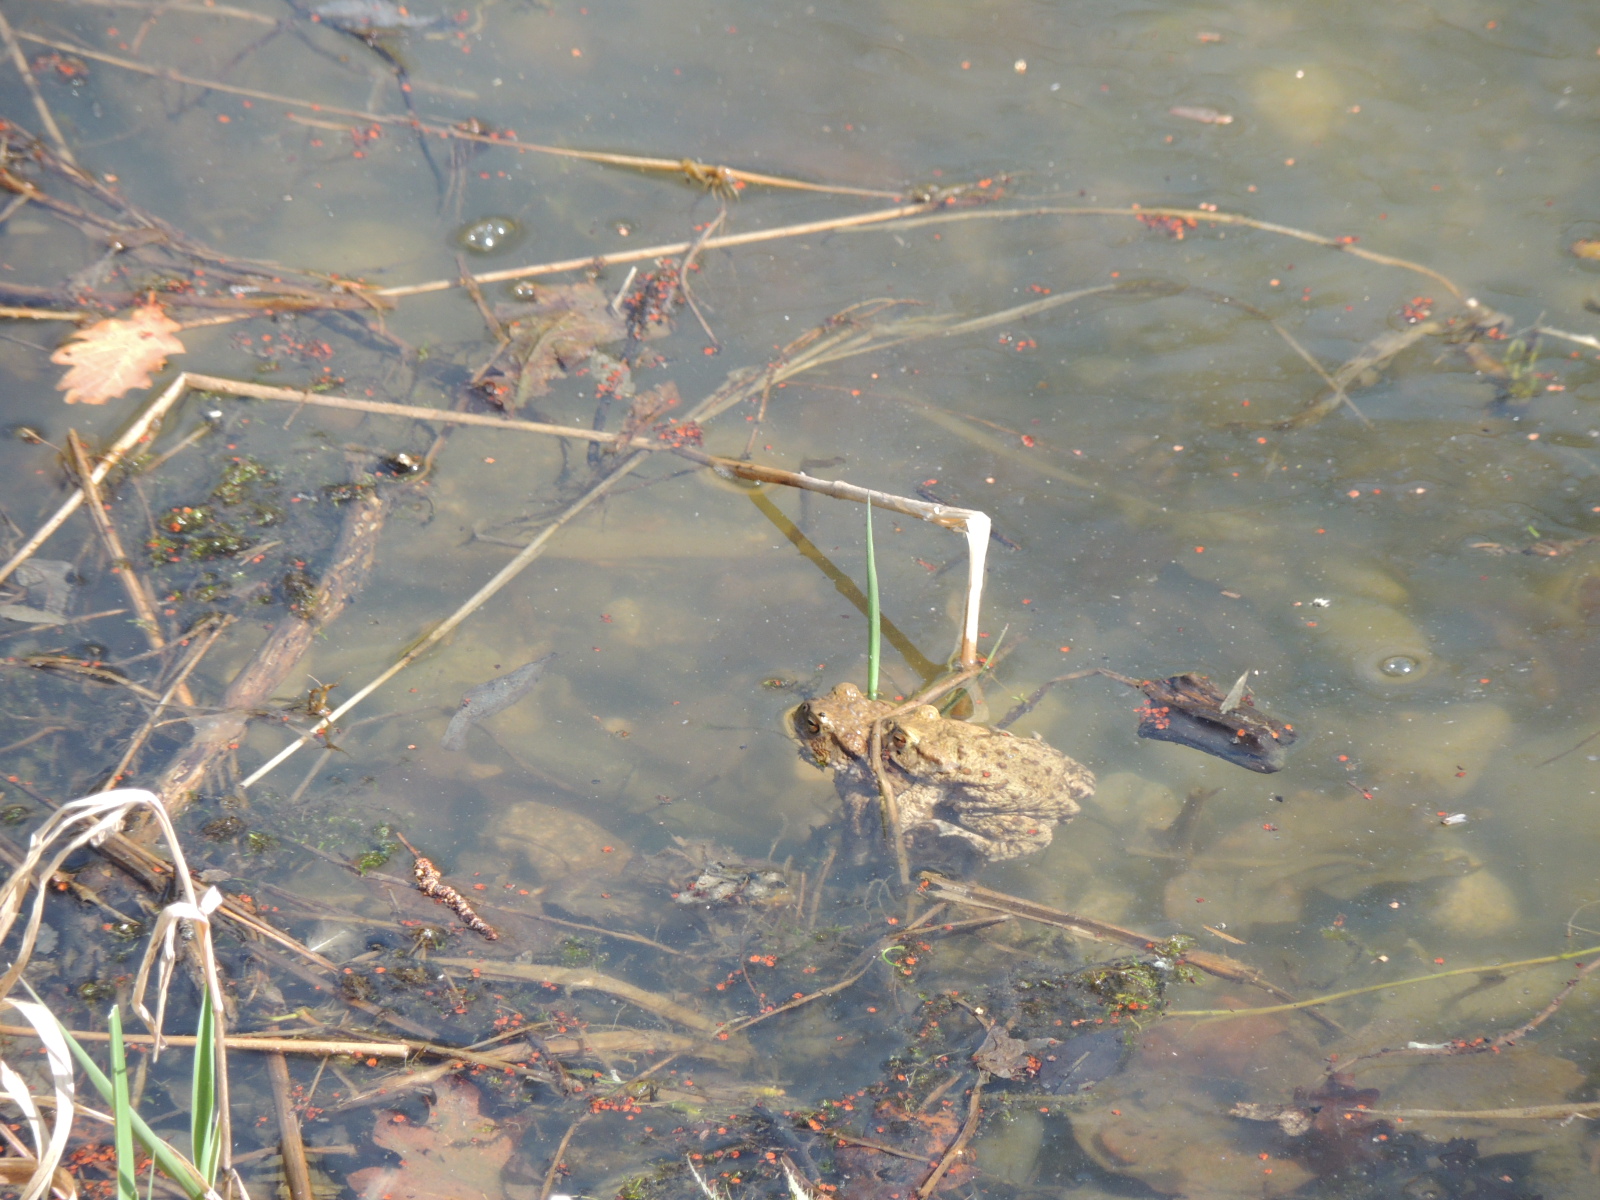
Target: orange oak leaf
column 457, row 1155
column 113, row 355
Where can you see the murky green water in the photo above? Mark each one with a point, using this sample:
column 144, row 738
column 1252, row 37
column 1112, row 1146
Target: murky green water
column 1130, row 446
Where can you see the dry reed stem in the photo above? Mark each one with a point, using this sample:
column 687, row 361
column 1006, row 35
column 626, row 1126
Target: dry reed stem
column 876, row 217
column 19, row 60
column 92, row 821
column 975, row 525
column 1195, row 214
column 445, row 130
column 242, row 1041
column 133, row 583
column 1577, row 339
column 445, row 416
column 177, row 6
column 1492, row 969
column 8, row 312
column 439, row 632
column 144, row 424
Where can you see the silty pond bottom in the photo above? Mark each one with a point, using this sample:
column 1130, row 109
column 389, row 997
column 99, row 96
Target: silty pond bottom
column 1305, row 395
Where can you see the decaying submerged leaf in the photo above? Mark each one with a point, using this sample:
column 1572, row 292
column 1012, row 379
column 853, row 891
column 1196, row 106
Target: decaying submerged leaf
column 114, row 355
column 457, row 1155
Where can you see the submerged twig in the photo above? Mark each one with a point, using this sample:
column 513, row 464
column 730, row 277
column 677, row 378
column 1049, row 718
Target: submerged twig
column 968, row 1128
column 555, row 1159
column 190, row 662
column 1496, row 968
column 20, row 61
column 579, row 977
column 133, row 583
column 1219, row 965
column 440, row 631
column 142, row 425
column 211, row 737
column 296, row 1171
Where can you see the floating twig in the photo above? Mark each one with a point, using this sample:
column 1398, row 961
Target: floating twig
column 412, row 412
column 440, row 128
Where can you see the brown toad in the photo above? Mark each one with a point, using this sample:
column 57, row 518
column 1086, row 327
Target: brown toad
column 1001, row 794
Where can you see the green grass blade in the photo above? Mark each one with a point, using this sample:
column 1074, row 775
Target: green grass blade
column 874, row 615
column 203, row 1114
column 122, row 1112
column 173, row 1165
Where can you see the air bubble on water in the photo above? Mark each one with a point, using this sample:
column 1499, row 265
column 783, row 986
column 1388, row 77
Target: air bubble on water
column 1398, row 666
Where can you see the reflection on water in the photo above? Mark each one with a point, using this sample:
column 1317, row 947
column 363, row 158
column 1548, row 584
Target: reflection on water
column 1408, row 580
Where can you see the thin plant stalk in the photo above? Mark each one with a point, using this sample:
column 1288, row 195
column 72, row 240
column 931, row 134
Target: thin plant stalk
column 122, row 1112
column 874, row 619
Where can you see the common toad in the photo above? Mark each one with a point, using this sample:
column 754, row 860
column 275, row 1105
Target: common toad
column 1000, row 794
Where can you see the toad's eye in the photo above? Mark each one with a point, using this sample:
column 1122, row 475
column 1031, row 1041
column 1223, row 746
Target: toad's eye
column 811, row 723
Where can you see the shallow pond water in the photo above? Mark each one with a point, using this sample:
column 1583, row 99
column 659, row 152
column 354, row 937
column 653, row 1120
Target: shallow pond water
column 1406, row 579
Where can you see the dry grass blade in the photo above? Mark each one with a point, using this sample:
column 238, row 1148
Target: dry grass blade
column 47, row 1154
column 91, row 821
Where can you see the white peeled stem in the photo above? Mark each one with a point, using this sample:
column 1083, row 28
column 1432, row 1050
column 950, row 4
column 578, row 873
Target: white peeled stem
column 59, row 1060
column 977, row 531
